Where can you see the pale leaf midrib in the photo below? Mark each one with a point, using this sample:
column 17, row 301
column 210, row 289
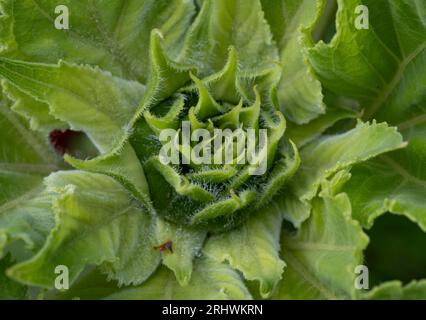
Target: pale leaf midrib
column 385, row 94
column 400, row 170
column 412, row 122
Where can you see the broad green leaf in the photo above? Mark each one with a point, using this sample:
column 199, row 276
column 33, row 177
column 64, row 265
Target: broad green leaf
column 384, row 68
column 111, row 34
column 224, row 23
column 25, row 159
column 97, row 222
column 101, row 104
column 210, row 281
column 395, row 290
column 9, row 289
column 299, row 91
column 29, row 218
column 322, row 255
column 330, row 154
column 382, row 186
column 253, row 248
column 186, row 244
column 116, row 73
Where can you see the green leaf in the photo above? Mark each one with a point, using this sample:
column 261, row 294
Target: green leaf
column 224, row 23
column 90, row 285
column 29, row 218
column 37, row 112
column 102, row 104
column 384, row 68
column 166, row 78
column 25, row 159
column 382, row 186
column 253, row 248
column 127, row 69
column 122, row 165
column 23, row 151
column 113, row 35
column 97, row 222
column 186, row 244
column 303, row 134
column 395, row 290
column 210, row 281
column 299, row 91
column 321, row 257
column 330, row 154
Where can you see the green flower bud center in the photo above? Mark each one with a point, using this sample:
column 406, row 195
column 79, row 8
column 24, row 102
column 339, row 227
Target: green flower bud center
column 211, row 154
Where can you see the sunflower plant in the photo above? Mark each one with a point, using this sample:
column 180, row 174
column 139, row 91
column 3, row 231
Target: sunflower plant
column 88, row 207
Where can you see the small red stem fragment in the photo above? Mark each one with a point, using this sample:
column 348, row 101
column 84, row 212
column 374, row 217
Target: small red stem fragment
column 166, row 246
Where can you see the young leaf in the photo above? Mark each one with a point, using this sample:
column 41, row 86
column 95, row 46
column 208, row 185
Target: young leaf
column 253, row 249
column 395, row 290
column 37, row 112
column 322, row 158
column 321, row 257
column 224, row 23
column 210, row 281
column 25, row 159
column 185, row 245
column 102, row 104
column 299, row 91
column 381, row 186
column 114, row 35
column 29, row 218
column 377, row 66
column 384, row 68
column 96, row 223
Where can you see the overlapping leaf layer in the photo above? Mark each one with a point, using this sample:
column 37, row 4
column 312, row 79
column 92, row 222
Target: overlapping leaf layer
column 129, row 225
